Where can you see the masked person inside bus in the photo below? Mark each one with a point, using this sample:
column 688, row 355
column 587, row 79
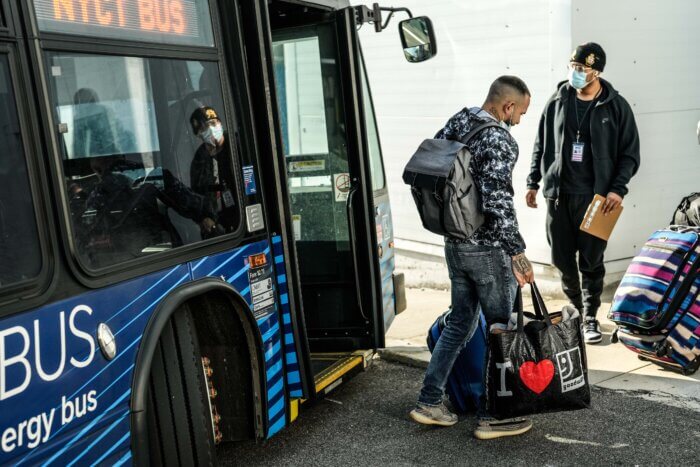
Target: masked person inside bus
column 211, row 167
column 587, row 144
column 486, row 269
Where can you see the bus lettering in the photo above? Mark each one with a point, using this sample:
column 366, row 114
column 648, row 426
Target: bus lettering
column 120, row 12
column 82, row 335
column 37, row 352
column 19, row 359
column 177, row 19
column 10, row 338
column 103, row 17
column 84, row 9
column 148, row 20
column 79, row 407
column 63, row 6
column 162, row 16
column 165, row 16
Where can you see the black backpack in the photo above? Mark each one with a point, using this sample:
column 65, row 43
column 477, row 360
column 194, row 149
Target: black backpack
column 448, row 202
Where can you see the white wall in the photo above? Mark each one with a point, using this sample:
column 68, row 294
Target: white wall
column 652, row 59
column 479, row 40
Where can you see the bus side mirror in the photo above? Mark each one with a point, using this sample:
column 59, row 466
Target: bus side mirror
column 418, row 39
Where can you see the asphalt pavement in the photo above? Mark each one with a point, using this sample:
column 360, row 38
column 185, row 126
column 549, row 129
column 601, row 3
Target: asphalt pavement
column 365, row 423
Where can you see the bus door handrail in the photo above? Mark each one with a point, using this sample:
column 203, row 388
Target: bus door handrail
column 353, row 249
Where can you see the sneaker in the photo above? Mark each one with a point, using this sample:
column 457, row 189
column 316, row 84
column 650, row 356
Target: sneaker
column 492, row 429
column 433, row 415
column 591, row 332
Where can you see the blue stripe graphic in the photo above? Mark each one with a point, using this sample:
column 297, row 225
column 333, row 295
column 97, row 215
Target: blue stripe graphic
column 200, row 263
column 271, row 353
column 231, row 258
column 272, row 372
column 99, row 438
column 277, row 427
column 277, row 408
column 88, row 428
column 182, row 279
column 271, row 333
column 274, row 390
column 144, row 293
column 111, row 450
column 291, row 357
column 123, row 460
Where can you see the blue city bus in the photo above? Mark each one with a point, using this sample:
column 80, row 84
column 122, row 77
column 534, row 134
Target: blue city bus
column 195, row 228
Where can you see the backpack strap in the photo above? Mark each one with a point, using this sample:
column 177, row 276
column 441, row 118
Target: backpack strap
column 468, row 137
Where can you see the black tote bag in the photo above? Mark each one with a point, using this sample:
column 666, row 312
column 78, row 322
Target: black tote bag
column 537, row 368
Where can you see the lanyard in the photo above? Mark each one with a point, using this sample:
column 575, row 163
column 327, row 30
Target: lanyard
column 578, row 121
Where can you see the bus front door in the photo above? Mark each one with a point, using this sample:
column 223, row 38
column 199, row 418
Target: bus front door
column 344, row 242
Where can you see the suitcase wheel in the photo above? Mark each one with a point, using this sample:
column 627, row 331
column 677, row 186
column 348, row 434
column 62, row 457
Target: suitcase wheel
column 613, row 338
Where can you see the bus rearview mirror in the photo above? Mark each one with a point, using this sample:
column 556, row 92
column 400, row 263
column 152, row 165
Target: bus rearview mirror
column 418, row 39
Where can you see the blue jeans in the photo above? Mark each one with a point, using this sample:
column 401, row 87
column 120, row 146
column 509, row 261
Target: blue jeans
column 482, row 278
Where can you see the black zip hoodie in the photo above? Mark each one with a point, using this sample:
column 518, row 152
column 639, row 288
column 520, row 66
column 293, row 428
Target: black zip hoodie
column 614, row 143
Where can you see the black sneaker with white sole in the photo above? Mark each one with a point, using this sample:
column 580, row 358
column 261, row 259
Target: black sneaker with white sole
column 492, row 429
column 591, row 332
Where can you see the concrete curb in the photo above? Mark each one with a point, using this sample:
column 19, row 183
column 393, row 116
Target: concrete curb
column 412, row 356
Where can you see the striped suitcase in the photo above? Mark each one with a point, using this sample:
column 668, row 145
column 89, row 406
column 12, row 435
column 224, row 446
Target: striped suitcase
column 657, row 305
column 465, row 384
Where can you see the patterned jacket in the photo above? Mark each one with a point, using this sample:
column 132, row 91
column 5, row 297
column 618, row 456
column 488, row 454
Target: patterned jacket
column 494, row 154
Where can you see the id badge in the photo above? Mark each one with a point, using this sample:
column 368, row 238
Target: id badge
column 228, row 199
column 577, row 152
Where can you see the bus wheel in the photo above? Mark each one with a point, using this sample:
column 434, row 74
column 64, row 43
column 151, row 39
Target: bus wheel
column 180, row 428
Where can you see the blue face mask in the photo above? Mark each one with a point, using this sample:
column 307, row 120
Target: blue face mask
column 577, row 79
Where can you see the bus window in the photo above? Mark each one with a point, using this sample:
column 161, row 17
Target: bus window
column 20, row 257
column 375, row 150
column 142, row 171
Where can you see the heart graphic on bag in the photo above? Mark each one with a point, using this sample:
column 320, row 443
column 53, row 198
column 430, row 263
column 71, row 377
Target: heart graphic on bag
column 537, row 376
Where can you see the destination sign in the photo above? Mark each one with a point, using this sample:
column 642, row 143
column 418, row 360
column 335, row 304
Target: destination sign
column 166, row 21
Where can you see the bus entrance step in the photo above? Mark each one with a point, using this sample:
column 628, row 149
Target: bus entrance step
column 331, row 368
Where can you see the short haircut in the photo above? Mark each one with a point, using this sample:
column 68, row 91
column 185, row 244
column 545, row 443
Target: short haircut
column 505, row 86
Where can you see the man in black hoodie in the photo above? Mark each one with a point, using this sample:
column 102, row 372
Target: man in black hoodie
column 587, row 144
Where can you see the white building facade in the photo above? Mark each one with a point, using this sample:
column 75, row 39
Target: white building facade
column 652, row 60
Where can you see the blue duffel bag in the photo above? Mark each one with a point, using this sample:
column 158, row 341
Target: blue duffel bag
column 465, row 384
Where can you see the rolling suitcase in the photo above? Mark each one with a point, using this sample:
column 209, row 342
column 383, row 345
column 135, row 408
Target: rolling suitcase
column 465, row 384
column 657, row 305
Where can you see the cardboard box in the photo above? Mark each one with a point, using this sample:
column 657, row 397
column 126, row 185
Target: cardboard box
column 598, row 224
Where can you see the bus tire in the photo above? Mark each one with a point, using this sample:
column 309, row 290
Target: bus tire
column 178, row 413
